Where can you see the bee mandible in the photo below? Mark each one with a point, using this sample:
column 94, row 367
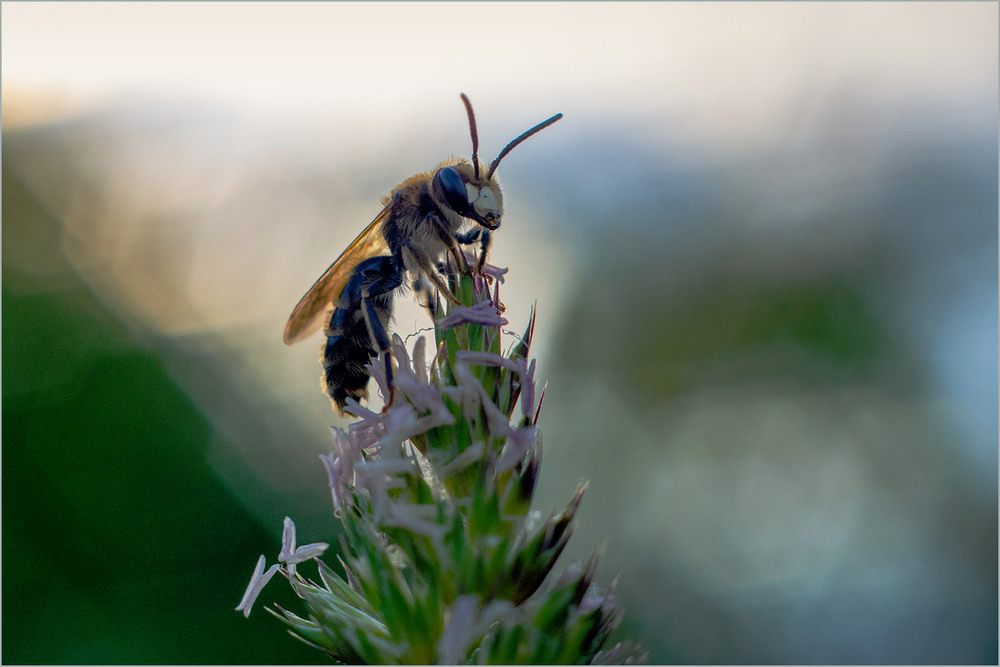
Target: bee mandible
column 421, row 223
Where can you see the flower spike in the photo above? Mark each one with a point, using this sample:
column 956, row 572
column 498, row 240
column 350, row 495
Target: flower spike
column 442, row 558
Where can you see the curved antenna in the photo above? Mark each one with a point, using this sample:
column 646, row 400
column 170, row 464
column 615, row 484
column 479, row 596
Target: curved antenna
column 475, row 135
column 538, row 128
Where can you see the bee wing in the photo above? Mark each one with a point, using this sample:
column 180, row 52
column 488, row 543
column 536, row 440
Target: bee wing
column 308, row 313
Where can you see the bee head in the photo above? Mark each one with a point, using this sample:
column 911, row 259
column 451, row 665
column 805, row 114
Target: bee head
column 466, row 192
column 467, row 189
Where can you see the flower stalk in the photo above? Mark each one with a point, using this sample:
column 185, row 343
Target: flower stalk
column 442, row 559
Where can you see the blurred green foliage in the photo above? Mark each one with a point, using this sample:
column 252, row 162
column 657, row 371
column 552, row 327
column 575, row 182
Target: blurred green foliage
column 119, row 544
column 728, row 332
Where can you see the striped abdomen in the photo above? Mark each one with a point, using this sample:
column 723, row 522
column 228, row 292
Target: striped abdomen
column 358, row 328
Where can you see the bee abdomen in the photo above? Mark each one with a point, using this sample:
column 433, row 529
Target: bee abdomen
column 351, row 340
column 345, row 356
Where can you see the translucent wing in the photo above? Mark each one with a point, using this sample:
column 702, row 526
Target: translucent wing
column 308, row 313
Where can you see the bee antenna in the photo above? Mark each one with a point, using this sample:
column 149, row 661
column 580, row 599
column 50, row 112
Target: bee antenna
column 538, row 128
column 475, row 135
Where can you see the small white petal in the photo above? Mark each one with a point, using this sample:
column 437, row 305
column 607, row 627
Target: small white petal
column 420, row 361
column 256, row 585
column 287, row 540
column 519, row 442
column 472, row 454
column 339, row 466
column 408, row 516
column 484, row 313
column 486, row 359
column 307, row 552
column 466, row 621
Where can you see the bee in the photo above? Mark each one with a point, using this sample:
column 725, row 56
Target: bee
column 424, row 222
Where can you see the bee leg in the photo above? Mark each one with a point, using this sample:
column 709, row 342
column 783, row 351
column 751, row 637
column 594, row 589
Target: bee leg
column 414, row 257
column 485, row 239
column 456, row 252
column 380, row 336
column 358, row 330
column 469, row 237
column 450, row 239
column 376, row 302
column 484, row 248
column 428, row 297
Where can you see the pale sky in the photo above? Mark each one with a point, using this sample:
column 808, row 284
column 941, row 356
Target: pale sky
column 726, row 71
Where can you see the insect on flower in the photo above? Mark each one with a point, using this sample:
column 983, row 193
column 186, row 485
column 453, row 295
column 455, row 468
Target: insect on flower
column 418, row 235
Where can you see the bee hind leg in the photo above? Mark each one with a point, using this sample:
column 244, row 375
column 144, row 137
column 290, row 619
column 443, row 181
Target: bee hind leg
column 376, row 316
column 376, row 305
column 358, row 330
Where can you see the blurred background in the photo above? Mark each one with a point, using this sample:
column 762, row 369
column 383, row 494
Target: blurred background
column 763, row 245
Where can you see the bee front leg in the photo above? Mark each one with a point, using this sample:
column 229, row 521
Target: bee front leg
column 414, row 257
column 469, row 237
column 485, row 239
column 484, row 248
column 452, row 241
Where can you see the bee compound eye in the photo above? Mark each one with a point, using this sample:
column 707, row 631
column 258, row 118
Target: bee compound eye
column 453, row 188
